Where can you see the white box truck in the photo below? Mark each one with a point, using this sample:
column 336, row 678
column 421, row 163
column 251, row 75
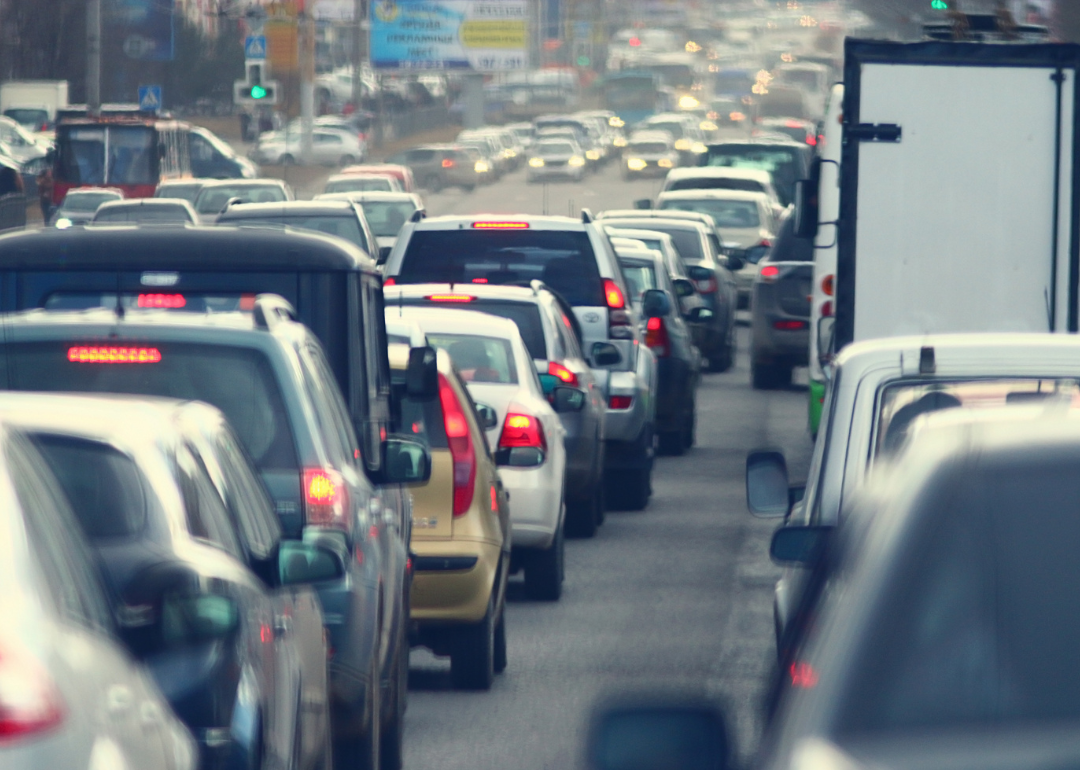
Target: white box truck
column 959, row 192
column 33, row 103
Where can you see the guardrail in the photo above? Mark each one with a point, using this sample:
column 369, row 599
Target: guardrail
column 12, row 211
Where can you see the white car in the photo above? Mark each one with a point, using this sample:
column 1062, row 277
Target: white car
column 724, row 178
column 354, row 183
column 329, row 147
column 386, row 213
column 524, row 432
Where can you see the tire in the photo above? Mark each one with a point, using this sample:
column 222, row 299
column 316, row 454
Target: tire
column 472, row 661
column 434, row 183
column 287, row 160
column 689, row 433
column 391, row 743
column 769, row 376
column 671, row 443
column 326, row 759
column 500, row 644
column 544, row 571
column 361, row 751
column 584, row 517
column 346, row 160
column 722, row 359
column 630, row 490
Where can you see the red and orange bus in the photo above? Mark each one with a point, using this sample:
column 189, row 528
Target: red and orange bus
column 122, row 148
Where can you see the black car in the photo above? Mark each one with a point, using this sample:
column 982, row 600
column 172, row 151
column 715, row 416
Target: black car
column 334, row 289
column 340, row 218
column 206, row 589
column 211, row 158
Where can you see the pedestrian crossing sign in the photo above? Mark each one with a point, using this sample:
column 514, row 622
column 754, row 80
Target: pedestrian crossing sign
column 255, row 47
column 150, row 98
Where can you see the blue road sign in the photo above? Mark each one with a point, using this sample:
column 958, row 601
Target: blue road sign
column 150, row 98
column 255, row 47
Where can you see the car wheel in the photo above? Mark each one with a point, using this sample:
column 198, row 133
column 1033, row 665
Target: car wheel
column 500, row 644
column 346, row 160
column 434, row 183
column 723, row 357
column 287, row 160
column 769, row 376
column 583, row 517
column 544, row 571
column 671, row 442
column 689, row 433
column 472, row 661
column 360, row 751
column 630, row 491
column 393, row 731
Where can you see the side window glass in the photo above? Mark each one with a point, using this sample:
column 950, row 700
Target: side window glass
column 324, row 413
column 64, row 558
column 335, row 402
column 248, row 500
column 207, row 518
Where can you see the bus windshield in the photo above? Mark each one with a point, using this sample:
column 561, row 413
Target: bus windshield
column 98, row 155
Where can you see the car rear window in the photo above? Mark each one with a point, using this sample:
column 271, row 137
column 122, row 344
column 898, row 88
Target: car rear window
column 525, row 314
column 346, row 227
column 563, row 260
column 382, row 184
column 640, row 276
column 212, row 200
column 387, row 217
column 104, row 486
column 478, row 359
column 726, row 213
column 687, row 240
column 238, row 381
column 143, row 214
column 648, row 148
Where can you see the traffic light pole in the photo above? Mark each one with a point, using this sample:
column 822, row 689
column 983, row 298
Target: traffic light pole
column 93, row 56
column 307, row 83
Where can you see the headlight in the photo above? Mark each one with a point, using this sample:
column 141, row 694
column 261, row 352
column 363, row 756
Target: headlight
column 699, row 148
column 592, row 154
column 577, row 160
column 683, row 144
column 481, row 167
column 707, row 125
column 735, row 117
column 637, row 164
column 616, row 122
column 63, row 223
column 536, row 162
column 688, row 102
column 511, row 153
column 620, row 141
column 664, row 163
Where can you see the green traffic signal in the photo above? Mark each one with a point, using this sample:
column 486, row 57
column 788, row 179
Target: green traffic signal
column 583, row 61
column 258, row 92
column 939, row 5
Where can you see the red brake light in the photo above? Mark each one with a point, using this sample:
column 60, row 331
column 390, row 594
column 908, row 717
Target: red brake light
column 389, row 282
column 766, row 243
column 811, row 140
column 171, row 301
column 447, row 163
column 247, row 302
column 634, row 42
column 656, row 337
column 450, row 297
column 29, row 701
column 562, row 373
column 500, row 225
column 802, row 675
column 826, row 309
column 790, row 325
column 522, row 430
column 325, row 498
column 613, row 295
column 769, row 272
column 620, row 402
column 793, row 124
column 827, row 286
column 83, row 354
column 479, row 280
column 461, row 448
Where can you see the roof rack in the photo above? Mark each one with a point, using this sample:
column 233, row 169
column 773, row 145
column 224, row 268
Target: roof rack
column 418, row 215
column 586, row 216
column 272, row 309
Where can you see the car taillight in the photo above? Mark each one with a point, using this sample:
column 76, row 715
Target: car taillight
column 790, row 325
column 389, row 282
column 656, row 337
column 326, row 501
column 522, row 430
column 827, row 286
column 171, row 301
column 29, row 702
column 769, row 273
column 620, row 402
column 461, row 447
column 564, row 374
column 447, row 163
column 811, row 140
column 613, row 295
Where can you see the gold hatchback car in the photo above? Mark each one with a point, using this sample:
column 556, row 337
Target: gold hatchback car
column 460, row 532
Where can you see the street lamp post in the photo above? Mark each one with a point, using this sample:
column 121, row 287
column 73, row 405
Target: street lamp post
column 93, row 56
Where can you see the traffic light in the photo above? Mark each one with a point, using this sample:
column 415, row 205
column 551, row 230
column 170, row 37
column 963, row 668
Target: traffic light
column 254, row 89
column 939, row 5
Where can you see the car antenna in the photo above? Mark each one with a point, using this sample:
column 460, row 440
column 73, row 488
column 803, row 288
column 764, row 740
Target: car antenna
column 119, row 302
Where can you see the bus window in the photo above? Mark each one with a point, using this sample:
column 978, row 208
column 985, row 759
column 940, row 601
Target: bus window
column 131, row 155
column 82, row 156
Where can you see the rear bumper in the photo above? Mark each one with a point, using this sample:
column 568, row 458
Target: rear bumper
column 535, row 504
column 770, row 345
column 626, row 424
column 635, row 455
column 455, row 592
column 672, row 393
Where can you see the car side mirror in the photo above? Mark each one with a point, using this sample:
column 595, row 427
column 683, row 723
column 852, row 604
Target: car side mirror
column 405, row 461
column 308, row 562
column 548, row 382
column 699, row 314
column 384, row 254
column 683, row 287
column 605, row 354
column 655, row 303
column 807, row 207
column 800, row 545
column 734, row 262
column 486, row 416
column 767, row 484
column 643, row 204
column 568, row 400
column 664, row 734
column 422, row 374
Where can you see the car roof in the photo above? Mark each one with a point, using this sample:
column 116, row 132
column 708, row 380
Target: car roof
column 777, row 140
column 458, row 321
column 95, row 191
column 652, row 256
column 712, row 194
column 535, row 222
column 634, row 232
column 719, row 172
column 286, row 208
column 188, row 247
column 529, row 294
column 260, row 182
column 135, row 203
column 362, row 196
column 651, row 136
column 352, row 177
column 683, row 218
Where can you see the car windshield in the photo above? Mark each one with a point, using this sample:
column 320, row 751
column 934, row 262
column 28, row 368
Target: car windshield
column 478, row 359
column 554, row 148
column 786, row 164
column 342, row 226
column 148, row 214
column 675, row 129
column 86, row 202
column 212, row 200
column 564, row 260
column 648, row 148
column 360, row 184
column 188, row 192
column 106, row 489
column 238, row 381
column 726, row 213
column 640, row 277
column 386, row 218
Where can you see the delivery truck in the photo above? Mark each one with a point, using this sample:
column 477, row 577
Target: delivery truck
column 33, row 103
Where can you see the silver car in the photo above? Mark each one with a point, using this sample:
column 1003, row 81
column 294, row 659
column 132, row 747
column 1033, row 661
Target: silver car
column 70, row 695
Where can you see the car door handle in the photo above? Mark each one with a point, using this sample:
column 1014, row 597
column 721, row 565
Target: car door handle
column 119, row 699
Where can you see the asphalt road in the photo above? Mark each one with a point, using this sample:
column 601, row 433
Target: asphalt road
column 675, row 598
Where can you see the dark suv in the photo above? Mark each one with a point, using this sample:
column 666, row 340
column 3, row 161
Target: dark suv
column 436, row 166
column 270, row 377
